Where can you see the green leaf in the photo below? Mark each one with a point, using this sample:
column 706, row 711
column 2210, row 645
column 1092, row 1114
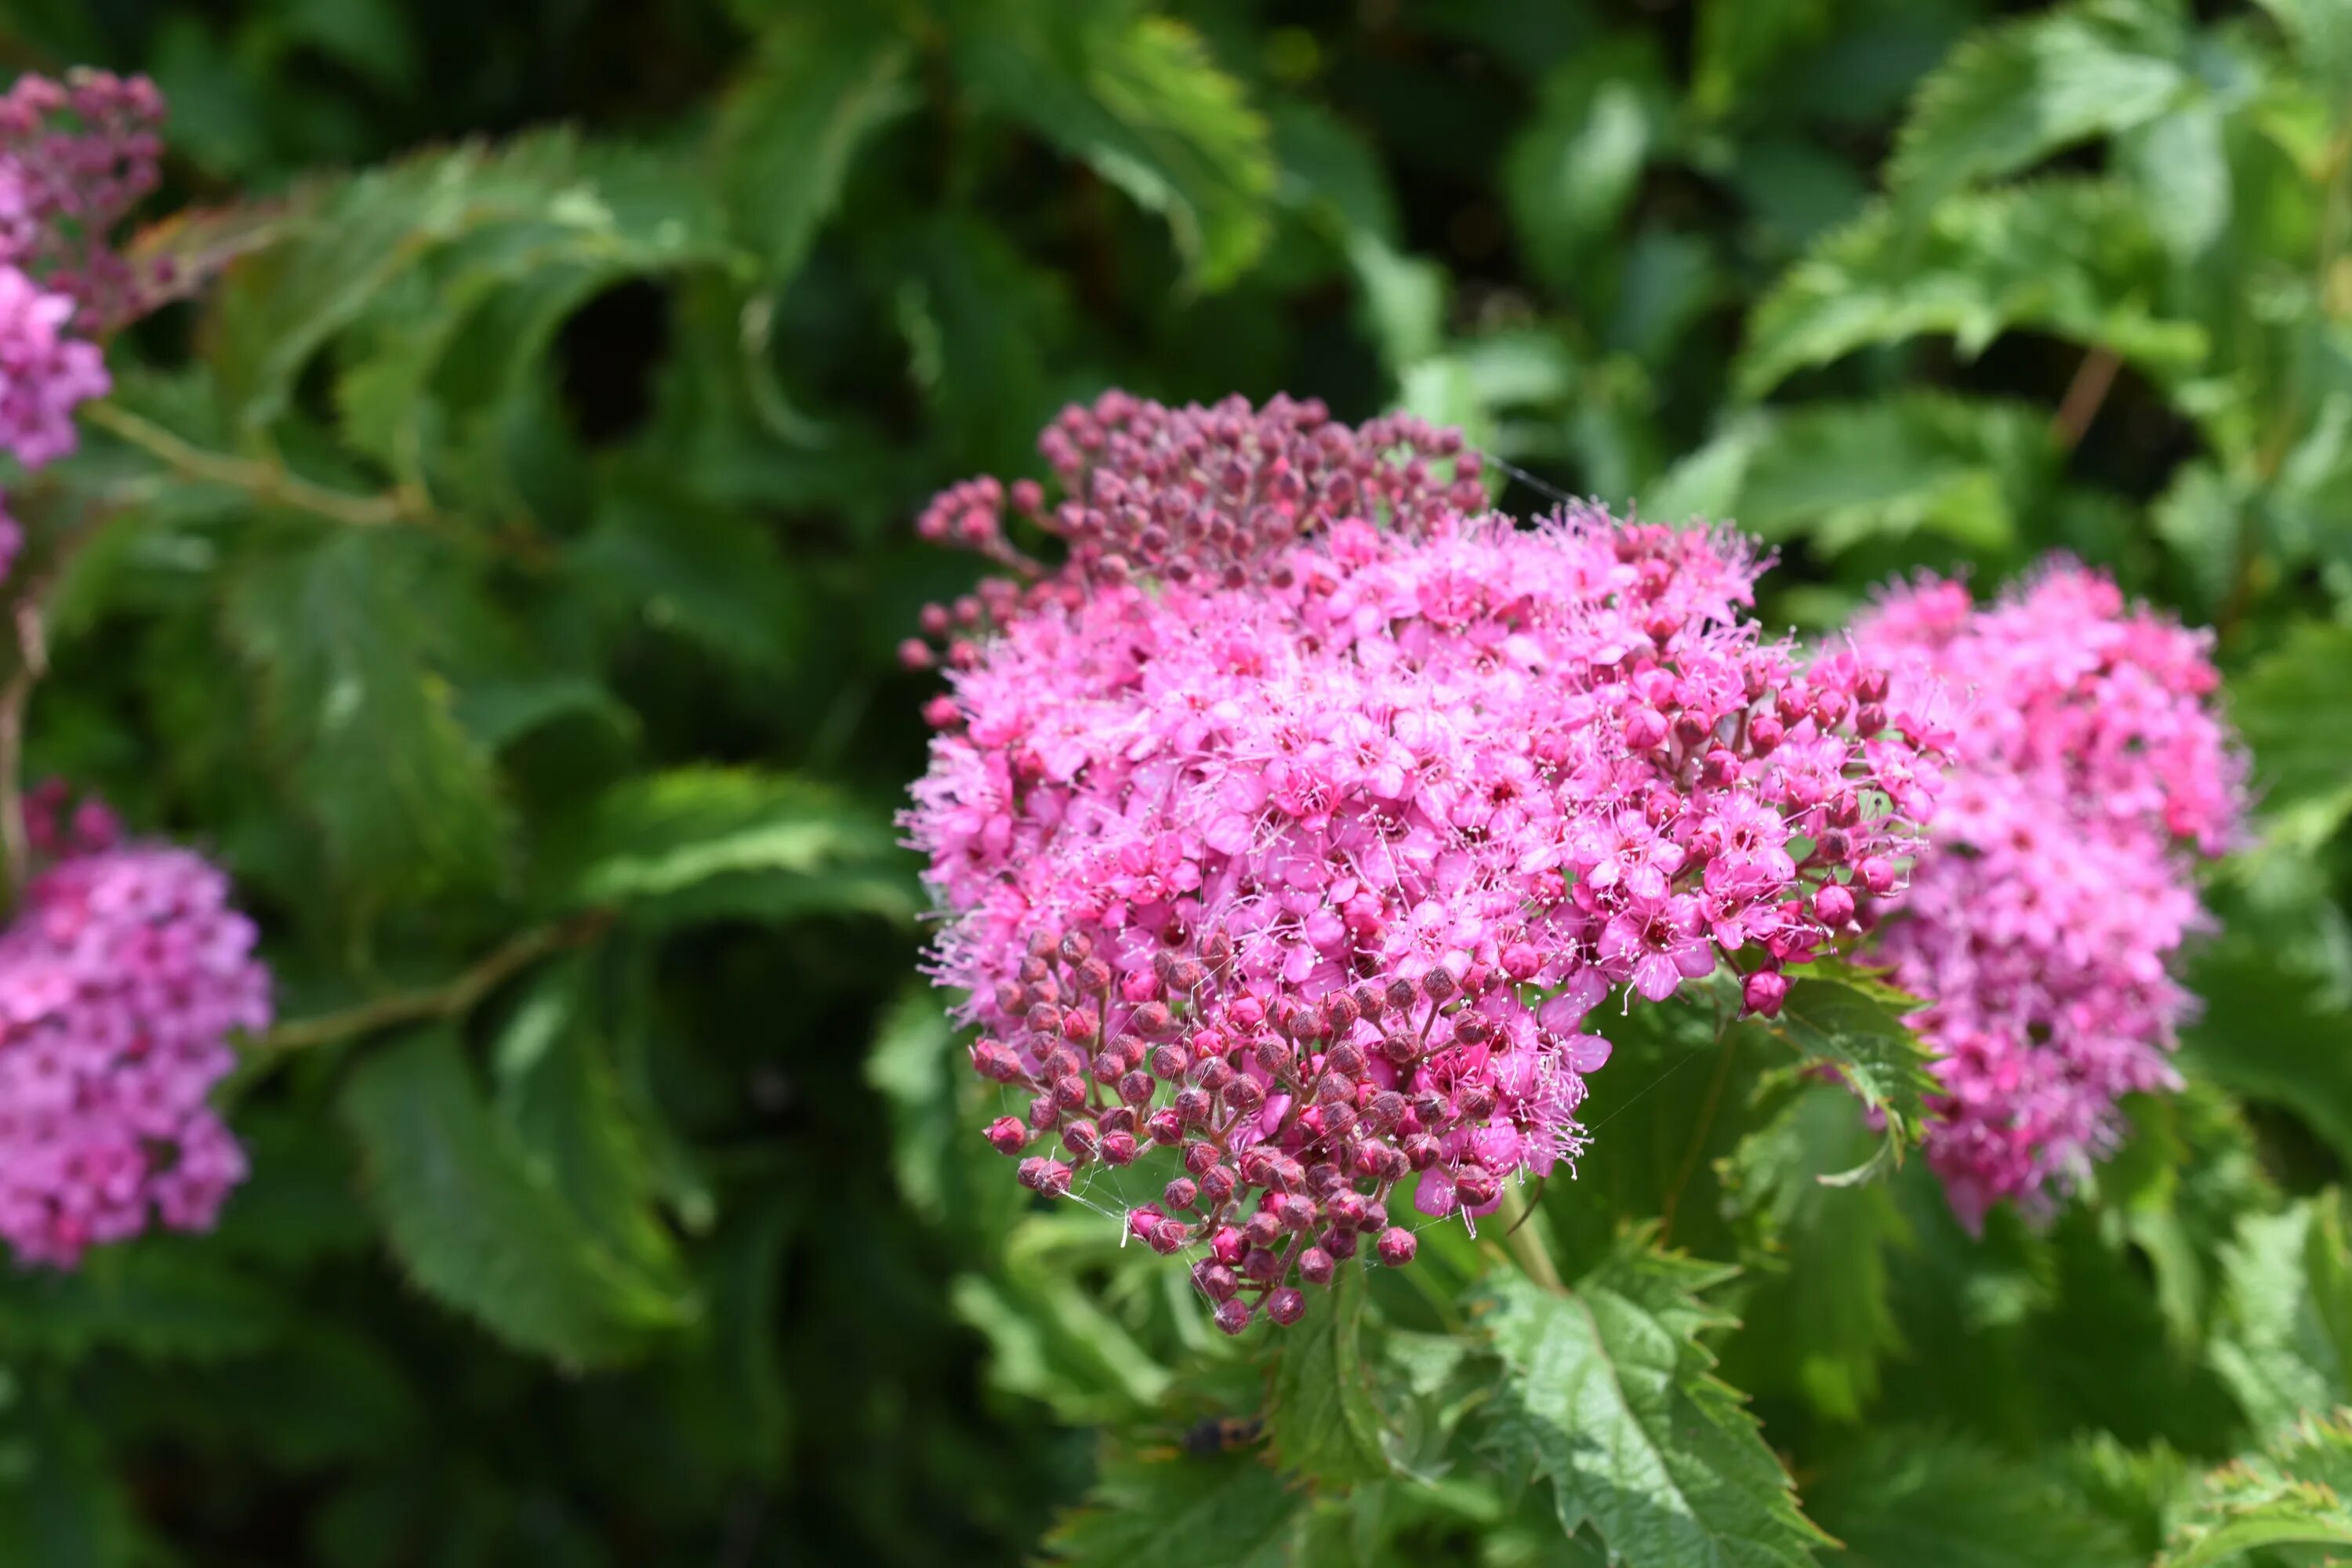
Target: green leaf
column 559, row 1094
column 1842, row 475
column 2271, row 1030
column 1321, row 1414
column 2013, row 95
column 1817, row 1320
column 2293, row 706
column 2181, row 162
column 823, row 81
column 59, row 1507
column 1742, row 42
column 476, row 1225
column 946, row 1172
column 1608, row 1395
column 2071, row 257
column 1176, row 1510
column 715, row 843
column 1929, row 1500
column 1848, row 1019
column 276, row 309
column 167, row 1299
column 1140, row 100
column 2283, row 1340
column 1571, row 173
column 353, row 707
column 2292, row 1494
column 701, row 572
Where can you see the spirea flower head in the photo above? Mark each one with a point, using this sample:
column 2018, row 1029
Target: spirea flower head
column 2089, row 771
column 1308, row 860
column 75, row 156
column 122, row 975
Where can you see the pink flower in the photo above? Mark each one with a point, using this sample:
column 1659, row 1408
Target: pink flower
column 2090, row 771
column 121, row 979
column 1300, row 755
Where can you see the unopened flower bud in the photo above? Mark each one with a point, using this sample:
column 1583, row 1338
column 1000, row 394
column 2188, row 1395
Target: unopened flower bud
column 1286, row 1306
column 1476, row 1186
column 1233, row 1316
column 1007, row 1135
column 1118, row 1148
column 1217, row 1280
column 1763, row 992
column 1164, row 1127
column 1397, row 1246
column 1833, row 905
column 1317, row 1265
column 996, row 1060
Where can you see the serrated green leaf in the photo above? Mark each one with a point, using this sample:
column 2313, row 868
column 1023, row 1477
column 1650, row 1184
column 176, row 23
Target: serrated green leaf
column 1139, row 97
column 2295, row 709
column 1841, row 474
column 2071, row 257
column 1181, row 1511
column 1816, row 1319
column 475, row 1225
column 823, row 82
column 1607, row 1394
column 2293, row 1493
column 1852, row 1019
column 353, row 707
column 714, row 843
column 2283, row 1339
column 558, row 1093
column 276, row 308
column 2181, row 162
column 1322, row 1415
column 1930, row 1499
column 2013, row 95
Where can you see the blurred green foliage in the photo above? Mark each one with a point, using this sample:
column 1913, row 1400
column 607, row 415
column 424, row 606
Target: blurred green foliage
column 503, row 568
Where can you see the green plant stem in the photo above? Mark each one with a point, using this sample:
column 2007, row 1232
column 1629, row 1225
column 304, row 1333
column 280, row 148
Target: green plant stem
column 452, row 999
column 269, row 481
column 15, row 696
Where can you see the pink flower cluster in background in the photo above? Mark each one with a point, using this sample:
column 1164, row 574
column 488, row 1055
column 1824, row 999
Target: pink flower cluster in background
column 74, row 156
column 2090, row 770
column 1297, row 818
column 122, row 975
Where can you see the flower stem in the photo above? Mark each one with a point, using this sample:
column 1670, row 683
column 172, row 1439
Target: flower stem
column 452, row 999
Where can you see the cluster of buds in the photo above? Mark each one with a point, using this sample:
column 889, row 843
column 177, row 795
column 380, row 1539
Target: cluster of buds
column 1312, row 864
column 74, row 156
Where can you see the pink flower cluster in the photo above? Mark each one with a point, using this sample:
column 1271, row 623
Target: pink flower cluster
column 2089, row 771
column 1298, row 818
column 121, row 977
column 74, row 156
